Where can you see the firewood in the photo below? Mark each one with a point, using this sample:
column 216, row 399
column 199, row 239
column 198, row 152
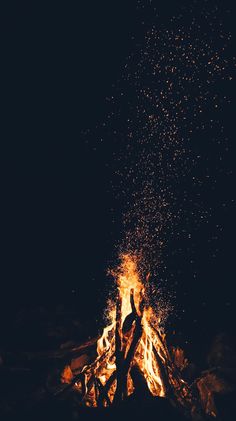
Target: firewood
column 123, row 369
column 163, row 373
column 106, row 388
column 118, row 354
column 139, row 381
column 64, row 353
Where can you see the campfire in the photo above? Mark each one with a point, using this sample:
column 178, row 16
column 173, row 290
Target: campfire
column 132, row 353
column 130, row 368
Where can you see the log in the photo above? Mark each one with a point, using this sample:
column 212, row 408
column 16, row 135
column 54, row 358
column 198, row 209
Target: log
column 102, row 392
column 106, row 388
column 163, row 374
column 118, row 353
column 124, row 363
column 61, row 354
column 141, row 387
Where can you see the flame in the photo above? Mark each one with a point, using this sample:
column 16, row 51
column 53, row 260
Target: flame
column 128, row 282
column 132, row 339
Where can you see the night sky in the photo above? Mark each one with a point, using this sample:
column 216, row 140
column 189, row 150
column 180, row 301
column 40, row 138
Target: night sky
column 64, row 156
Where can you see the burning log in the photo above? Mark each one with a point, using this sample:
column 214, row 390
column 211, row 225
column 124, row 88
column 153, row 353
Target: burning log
column 106, row 388
column 163, row 374
column 123, row 363
column 118, row 354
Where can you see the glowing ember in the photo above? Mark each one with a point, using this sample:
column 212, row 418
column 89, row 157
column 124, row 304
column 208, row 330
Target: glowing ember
column 132, row 346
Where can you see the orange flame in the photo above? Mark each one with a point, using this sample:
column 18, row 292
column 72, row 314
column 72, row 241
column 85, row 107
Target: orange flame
column 124, row 319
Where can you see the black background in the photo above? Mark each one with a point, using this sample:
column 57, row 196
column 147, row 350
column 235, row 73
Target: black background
column 59, row 63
